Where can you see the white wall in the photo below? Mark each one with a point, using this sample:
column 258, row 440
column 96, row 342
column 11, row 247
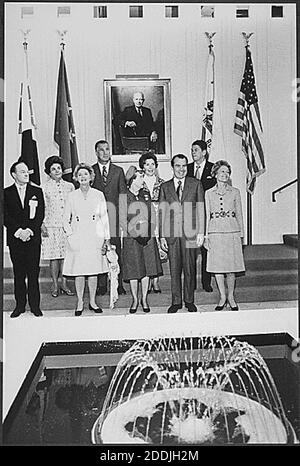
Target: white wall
column 98, row 49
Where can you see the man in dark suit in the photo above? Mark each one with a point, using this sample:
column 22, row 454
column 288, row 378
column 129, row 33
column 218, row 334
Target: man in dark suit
column 182, row 221
column 109, row 179
column 24, row 211
column 200, row 168
column 137, row 120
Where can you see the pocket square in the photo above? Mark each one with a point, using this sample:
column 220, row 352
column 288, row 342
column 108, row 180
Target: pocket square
column 32, row 207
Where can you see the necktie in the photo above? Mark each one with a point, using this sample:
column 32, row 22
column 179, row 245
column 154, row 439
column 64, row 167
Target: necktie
column 197, row 174
column 179, row 190
column 104, row 175
column 140, row 112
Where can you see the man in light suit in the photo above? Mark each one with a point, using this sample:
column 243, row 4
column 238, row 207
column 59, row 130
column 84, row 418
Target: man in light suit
column 109, row 179
column 182, row 221
column 137, row 120
column 24, row 211
column 200, row 168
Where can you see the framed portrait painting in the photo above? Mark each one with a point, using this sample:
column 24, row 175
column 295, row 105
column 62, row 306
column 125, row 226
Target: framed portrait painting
column 137, row 117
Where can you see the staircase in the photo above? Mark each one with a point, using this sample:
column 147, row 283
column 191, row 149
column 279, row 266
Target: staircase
column 271, row 275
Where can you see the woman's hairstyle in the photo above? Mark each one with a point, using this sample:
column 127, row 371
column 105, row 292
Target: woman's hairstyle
column 51, row 161
column 130, row 175
column 84, row 166
column 219, row 164
column 146, row 156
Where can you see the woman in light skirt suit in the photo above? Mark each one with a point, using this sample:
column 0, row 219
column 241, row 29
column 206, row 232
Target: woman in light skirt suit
column 224, row 233
column 87, row 229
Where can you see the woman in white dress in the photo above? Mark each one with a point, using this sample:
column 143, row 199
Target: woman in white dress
column 56, row 191
column 87, row 229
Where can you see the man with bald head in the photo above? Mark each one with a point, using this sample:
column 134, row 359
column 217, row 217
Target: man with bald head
column 137, row 120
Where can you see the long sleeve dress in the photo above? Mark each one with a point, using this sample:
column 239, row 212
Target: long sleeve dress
column 139, row 261
column 55, row 194
column 224, row 230
column 151, row 189
column 86, row 226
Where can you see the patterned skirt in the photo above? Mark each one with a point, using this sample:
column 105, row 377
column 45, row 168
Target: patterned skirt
column 54, row 245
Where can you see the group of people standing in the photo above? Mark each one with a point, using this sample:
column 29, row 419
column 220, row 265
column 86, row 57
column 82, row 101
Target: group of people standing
column 144, row 218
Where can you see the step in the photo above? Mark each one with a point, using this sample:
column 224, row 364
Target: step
column 163, row 300
column 257, row 257
column 291, row 240
column 251, row 278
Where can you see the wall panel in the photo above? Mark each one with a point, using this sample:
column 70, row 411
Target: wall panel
column 174, row 48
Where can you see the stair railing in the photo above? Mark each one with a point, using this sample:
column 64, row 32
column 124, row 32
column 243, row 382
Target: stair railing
column 282, row 188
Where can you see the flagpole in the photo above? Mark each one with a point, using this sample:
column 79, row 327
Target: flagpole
column 209, row 97
column 25, row 46
column 249, row 196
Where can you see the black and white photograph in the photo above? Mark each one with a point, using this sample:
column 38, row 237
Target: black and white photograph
column 138, row 115
column 150, row 230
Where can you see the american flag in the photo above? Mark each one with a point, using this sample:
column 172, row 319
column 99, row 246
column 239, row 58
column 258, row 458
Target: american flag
column 248, row 125
column 207, row 120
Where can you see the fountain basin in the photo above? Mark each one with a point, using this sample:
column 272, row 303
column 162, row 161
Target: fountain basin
column 247, row 421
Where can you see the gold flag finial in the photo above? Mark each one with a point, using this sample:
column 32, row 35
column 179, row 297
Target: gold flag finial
column 62, row 35
column 247, row 37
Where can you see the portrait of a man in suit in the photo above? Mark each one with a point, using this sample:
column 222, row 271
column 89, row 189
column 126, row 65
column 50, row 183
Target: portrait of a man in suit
column 138, row 116
column 137, row 120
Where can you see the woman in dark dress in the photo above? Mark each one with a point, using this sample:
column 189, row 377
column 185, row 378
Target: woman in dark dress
column 140, row 254
column 151, row 187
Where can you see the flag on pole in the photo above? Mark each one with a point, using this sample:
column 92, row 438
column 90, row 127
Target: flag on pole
column 207, row 120
column 248, row 125
column 27, row 127
column 64, row 129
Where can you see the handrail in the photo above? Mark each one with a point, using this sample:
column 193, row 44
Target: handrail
column 282, row 188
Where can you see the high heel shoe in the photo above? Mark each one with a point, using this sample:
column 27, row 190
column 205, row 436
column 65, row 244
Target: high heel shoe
column 145, row 309
column 54, row 293
column 98, row 310
column 133, row 310
column 233, row 308
column 156, row 290
column 67, row 291
column 78, row 312
column 221, row 307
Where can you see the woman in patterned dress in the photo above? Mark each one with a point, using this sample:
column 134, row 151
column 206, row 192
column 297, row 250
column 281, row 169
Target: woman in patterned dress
column 56, row 191
column 88, row 238
column 224, row 233
column 151, row 187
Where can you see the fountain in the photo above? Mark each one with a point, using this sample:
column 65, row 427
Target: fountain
column 203, row 391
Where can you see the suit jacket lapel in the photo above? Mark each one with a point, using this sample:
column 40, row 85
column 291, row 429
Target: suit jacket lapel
column 172, row 189
column 110, row 174
column 27, row 195
column 185, row 188
column 17, row 197
column 205, row 172
column 98, row 175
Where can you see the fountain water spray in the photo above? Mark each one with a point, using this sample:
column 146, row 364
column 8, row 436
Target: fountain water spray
column 207, row 390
